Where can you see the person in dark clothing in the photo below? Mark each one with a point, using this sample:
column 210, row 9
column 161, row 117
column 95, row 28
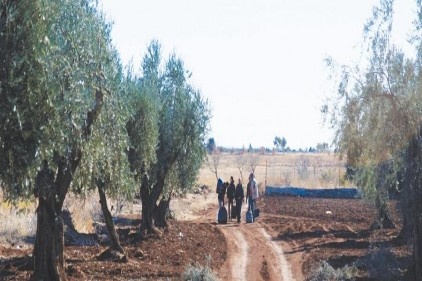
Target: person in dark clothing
column 230, row 196
column 221, row 190
column 239, row 196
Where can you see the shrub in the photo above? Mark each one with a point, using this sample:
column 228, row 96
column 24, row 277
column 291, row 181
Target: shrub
column 326, row 272
column 326, row 177
column 302, row 167
column 383, row 264
column 198, row 272
column 287, row 178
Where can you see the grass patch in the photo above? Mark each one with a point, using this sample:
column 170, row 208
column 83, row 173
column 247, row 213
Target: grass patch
column 326, row 272
column 17, row 225
column 198, row 272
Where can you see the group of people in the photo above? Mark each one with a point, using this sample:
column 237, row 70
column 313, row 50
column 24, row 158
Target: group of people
column 236, row 194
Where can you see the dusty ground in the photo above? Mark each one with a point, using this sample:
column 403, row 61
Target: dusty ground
column 337, row 231
column 289, row 240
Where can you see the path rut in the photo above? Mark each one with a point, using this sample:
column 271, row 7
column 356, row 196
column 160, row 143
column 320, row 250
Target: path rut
column 252, row 254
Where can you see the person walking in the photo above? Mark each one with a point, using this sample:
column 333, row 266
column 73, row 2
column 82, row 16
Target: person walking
column 239, row 197
column 252, row 193
column 230, row 196
column 221, row 191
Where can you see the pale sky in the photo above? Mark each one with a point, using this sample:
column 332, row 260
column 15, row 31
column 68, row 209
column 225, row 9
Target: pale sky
column 258, row 62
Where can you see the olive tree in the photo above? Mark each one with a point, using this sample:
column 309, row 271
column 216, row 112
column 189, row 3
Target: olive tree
column 169, row 142
column 55, row 68
column 378, row 122
column 106, row 166
column 190, row 154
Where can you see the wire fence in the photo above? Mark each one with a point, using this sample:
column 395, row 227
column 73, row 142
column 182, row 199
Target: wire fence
column 304, row 173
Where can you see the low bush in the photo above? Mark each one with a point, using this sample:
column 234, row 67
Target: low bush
column 198, row 272
column 383, row 264
column 326, row 272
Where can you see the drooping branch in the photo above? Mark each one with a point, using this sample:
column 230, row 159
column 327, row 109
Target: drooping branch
column 67, row 165
column 92, row 115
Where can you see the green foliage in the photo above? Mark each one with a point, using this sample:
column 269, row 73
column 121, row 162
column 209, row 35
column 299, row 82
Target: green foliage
column 171, row 120
column 142, row 125
column 377, row 116
column 280, row 143
column 376, row 110
column 323, row 147
column 106, row 152
column 57, row 64
column 211, row 146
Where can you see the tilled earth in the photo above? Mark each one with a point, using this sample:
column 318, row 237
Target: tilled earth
column 183, row 243
column 311, row 231
column 323, row 235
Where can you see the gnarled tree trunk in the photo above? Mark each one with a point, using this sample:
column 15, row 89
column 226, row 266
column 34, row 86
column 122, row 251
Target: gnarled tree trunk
column 161, row 212
column 51, row 191
column 149, row 197
column 49, row 242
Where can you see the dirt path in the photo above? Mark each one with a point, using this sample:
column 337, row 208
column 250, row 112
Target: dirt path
column 252, row 254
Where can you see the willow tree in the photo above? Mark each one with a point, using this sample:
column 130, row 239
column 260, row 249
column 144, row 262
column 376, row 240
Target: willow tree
column 378, row 122
column 55, row 65
column 177, row 118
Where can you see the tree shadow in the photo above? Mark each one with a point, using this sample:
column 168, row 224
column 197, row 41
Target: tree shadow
column 320, row 233
column 347, row 244
column 124, row 221
column 9, row 266
column 350, row 239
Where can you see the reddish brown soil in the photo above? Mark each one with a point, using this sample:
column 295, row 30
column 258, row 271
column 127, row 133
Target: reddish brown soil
column 300, row 225
column 183, row 243
column 310, row 235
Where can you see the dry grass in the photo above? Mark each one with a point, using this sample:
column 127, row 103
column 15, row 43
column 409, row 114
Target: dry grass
column 17, row 223
column 312, row 170
column 83, row 211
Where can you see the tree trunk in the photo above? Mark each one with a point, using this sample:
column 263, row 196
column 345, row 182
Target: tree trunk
column 413, row 174
column 406, row 230
column 417, row 246
column 49, row 241
column 384, row 220
column 114, row 239
column 51, row 190
column 161, row 213
column 416, row 205
column 149, row 197
column 148, row 217
column 381, row 200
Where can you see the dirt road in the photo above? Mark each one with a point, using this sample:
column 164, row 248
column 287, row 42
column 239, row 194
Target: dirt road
column 251, row 252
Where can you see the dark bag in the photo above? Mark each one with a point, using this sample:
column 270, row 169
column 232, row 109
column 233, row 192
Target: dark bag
column 234, row 212
column 222, row 215
column 249, row 217
column 256, row 213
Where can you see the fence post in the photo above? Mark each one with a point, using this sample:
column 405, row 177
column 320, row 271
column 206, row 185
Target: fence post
column 266, row 168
